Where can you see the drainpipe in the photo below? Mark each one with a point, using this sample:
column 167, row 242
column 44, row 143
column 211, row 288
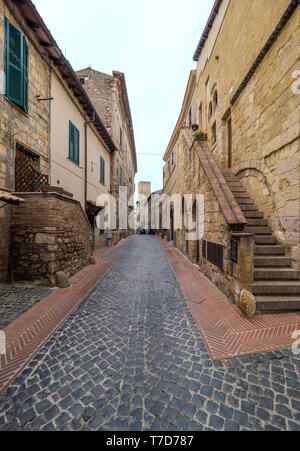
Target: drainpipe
column 86, row 169
column 86, row 159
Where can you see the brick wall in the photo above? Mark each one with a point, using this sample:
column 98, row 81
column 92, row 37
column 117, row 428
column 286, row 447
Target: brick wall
column 50, row 233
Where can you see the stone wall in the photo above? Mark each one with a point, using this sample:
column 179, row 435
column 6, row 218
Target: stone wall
column 265, row 117
column 50, row 233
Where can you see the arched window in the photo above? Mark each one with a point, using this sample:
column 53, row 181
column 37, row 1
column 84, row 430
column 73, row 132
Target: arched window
column 210, row 111
column 215, row 97
column 200, row 115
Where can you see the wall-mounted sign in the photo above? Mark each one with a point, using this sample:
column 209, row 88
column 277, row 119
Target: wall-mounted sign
column 234, row 249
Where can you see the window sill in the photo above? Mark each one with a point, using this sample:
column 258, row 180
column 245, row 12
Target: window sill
column 16, row 106
column 75, row 164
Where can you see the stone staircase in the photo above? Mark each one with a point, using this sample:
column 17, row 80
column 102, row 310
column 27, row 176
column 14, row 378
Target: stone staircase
column 276, row 285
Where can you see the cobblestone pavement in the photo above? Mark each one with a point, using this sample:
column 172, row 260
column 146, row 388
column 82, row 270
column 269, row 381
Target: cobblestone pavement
column 14, row 301
column 131, row 358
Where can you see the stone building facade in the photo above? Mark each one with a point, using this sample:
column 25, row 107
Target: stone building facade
column 244, row 95
column 24, row 121
column 108, row 94
column 35, row 80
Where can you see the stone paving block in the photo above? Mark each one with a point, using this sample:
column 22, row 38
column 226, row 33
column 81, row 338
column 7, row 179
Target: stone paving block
column 131, row 357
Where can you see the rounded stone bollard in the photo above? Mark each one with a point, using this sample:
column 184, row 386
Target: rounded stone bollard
column 62, row 280
column 93, row 261
column 247, row 303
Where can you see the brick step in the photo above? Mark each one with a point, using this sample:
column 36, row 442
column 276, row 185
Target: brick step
column 265, row 239
column 275, row 287
column 273, row 303
column 248, row 207
column 272, row 262
column 258, row 230
column 276, row 274
column 253, row 214
column 269, row 250
column 229, row 176
column 257, row 222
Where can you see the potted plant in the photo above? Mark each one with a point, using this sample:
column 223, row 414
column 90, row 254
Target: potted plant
column 201, row 136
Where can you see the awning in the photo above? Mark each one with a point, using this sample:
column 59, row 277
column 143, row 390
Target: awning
column 10, row 199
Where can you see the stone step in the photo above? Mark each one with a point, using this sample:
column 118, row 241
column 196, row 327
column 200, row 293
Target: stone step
column 242, row 195
column 238, row 189
column 275, row 287
column 248, row 207
column 276, row 274
column 269, row 250
column 257, row 222
column 272, row 262
column 265, row 239
column 230, row 177
column 258, row 230
column 273, row 303
column 244, row 201
column 253, row 214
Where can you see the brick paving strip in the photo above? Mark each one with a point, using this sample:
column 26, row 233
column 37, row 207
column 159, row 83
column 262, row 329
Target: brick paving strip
column 32, row 330
column 225, row 331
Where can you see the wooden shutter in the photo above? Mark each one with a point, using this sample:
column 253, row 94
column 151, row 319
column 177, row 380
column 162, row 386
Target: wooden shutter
column 25, row 49
column 74, row 140
column 71, row 141
column 76, row 148
column 14, row 60
column 102, row 170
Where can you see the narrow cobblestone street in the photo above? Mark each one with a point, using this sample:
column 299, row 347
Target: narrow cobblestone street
column 132, row 358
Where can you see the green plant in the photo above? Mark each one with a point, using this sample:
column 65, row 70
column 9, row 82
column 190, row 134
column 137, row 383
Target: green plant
column 201, row 135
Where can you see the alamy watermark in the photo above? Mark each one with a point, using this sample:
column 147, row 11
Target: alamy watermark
column 296, row 84
column 2, row 342
column 156, row 212
column 296, row 344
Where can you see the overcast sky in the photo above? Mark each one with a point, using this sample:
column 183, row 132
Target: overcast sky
column 152, row 42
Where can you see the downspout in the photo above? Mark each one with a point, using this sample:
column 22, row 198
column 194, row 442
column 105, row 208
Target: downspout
column 86, row 123
column 86, row 159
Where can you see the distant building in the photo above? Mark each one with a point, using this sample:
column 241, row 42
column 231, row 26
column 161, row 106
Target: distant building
column 108, row 94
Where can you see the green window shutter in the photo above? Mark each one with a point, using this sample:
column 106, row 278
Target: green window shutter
column 102, row 170
column 25, row 74
column 76, row 132
column 71, row 141
column 74, row 140
column 16, row 65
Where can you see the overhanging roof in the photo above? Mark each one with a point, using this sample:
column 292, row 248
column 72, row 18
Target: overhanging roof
column 207, row 29
column 45, row 38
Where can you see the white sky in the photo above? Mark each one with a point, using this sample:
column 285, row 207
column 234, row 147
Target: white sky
column 152, row 42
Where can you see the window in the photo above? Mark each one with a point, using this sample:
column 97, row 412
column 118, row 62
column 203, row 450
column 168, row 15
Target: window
column 215, row 99
column 82, row 80
column 16, row 66
column 200, row 115
column 214, row 133
column 121, row 138
column 190, row 118
column 74, row 143
column 121, row 176
column 210, row 111
column 102, row 170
